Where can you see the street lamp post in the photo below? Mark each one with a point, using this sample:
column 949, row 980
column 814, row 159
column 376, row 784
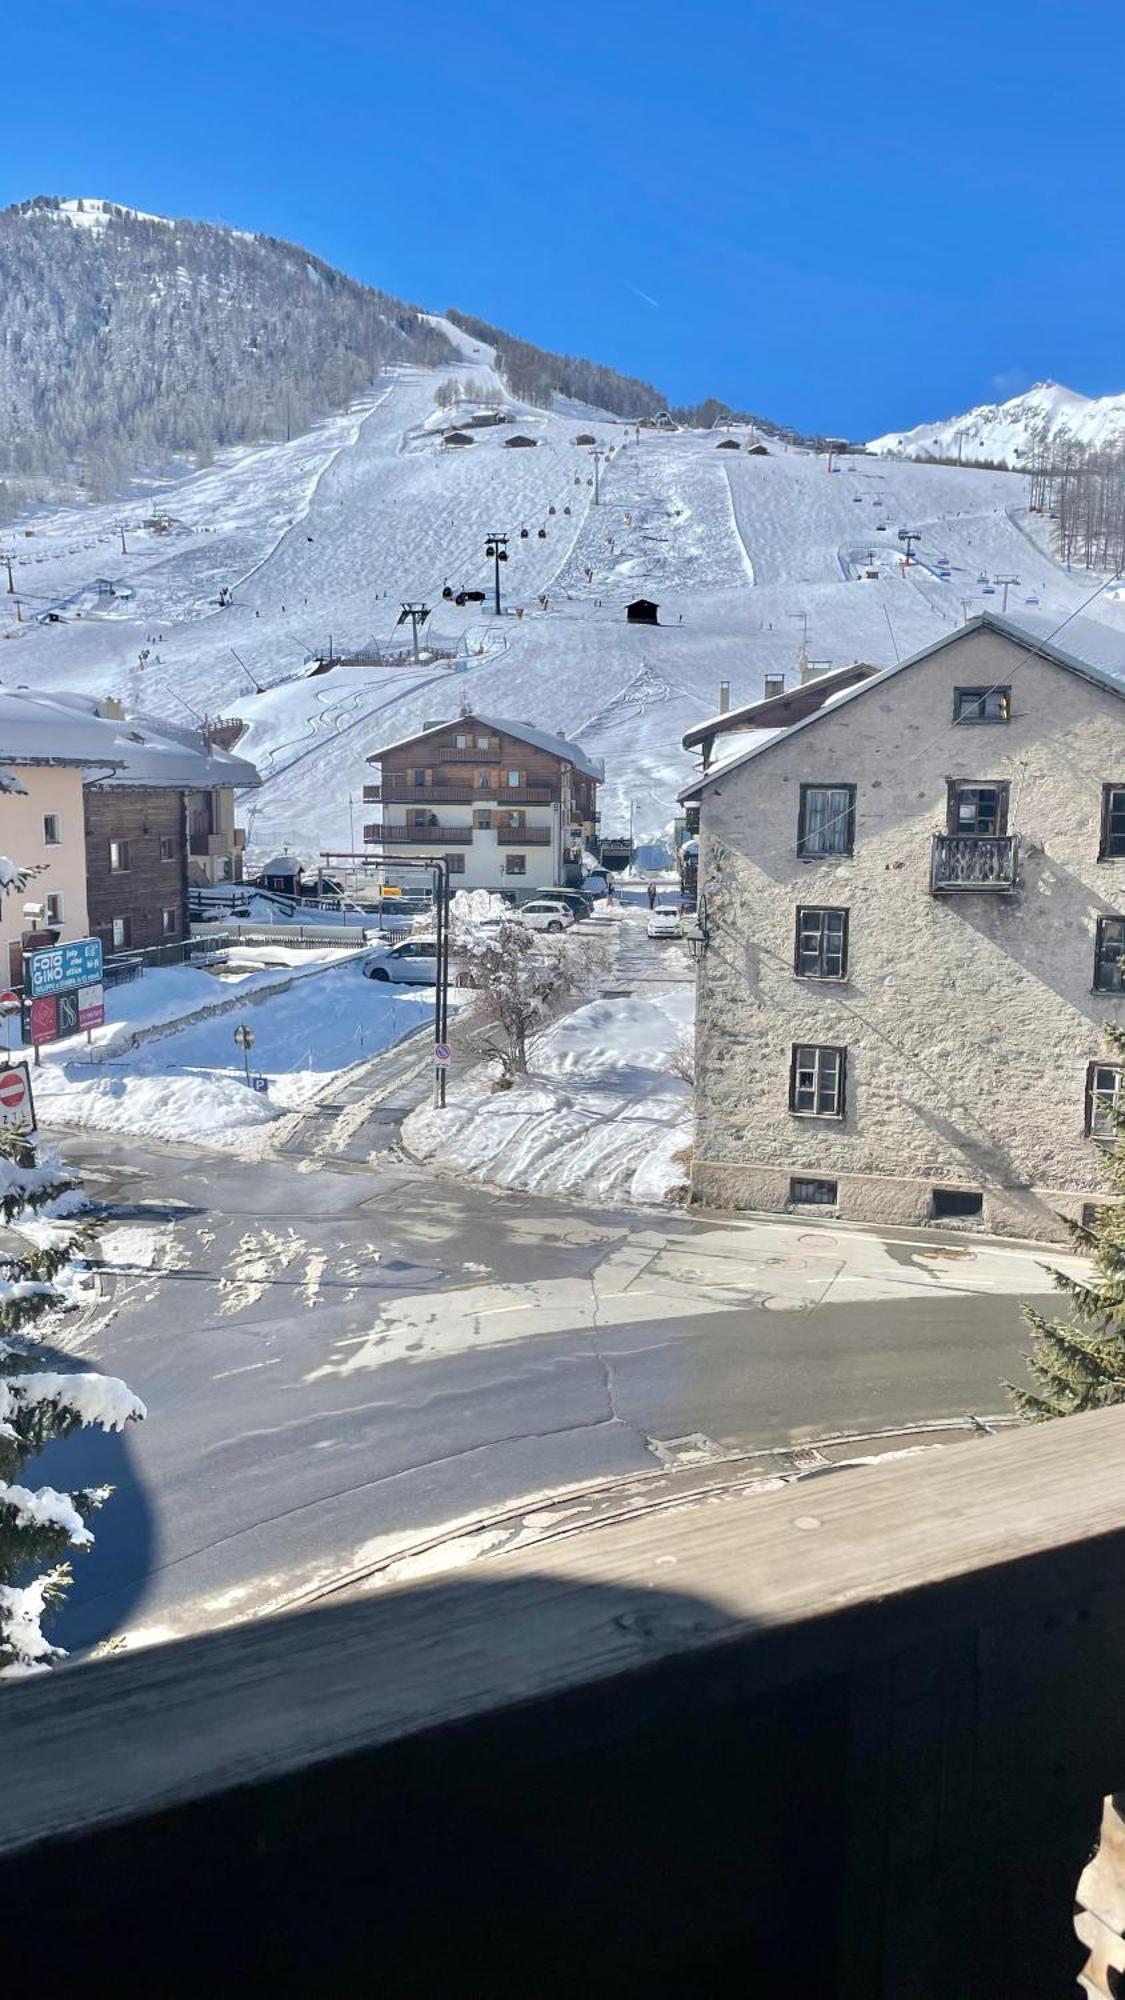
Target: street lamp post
column 244, row 1037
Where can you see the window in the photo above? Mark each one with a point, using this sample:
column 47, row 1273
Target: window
column 55, row 907
column 816, row 1081
column 980, row 809
column 518, row 820
column 482, row 743
column 167, row 847
column 418, row 778
column 52, row 829
column 515, row 864
column 812, row 1194
column 482, row 818
column 946, row 1202
column 1103, row 1097
column 1109, row 954
column 169, row 923
column 992, row 704
column 119, row 857
column 461, row 743
column 1113, row 822
column 485, row 781
column 455, row 864
column 822, row 944
column 826, row 825
column 515, row 778
column 122, row 933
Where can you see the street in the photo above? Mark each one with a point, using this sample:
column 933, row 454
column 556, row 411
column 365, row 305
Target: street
column 341, row 1353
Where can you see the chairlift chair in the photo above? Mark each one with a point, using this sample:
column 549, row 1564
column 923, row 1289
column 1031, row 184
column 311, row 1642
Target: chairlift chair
column 542, row 534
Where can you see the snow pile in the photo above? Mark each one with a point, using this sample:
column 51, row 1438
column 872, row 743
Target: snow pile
column 601, row 1115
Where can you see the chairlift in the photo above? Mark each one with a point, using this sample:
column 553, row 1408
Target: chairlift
column 461, row 599
column 1033, row 599
column 988, row 591
column 523, row 534
column 542, row 534
column 489, row 550
column 447, row 593
column 550, row 510
column 566, row 510
column 503, row 555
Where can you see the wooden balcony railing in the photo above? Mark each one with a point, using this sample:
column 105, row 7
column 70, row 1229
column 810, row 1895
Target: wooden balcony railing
column 523, row 836
column 477, row 756
column 420, row 836
column 402, row 790
column 974, row 861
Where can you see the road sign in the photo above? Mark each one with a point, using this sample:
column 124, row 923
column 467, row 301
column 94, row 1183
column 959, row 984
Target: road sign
column 16, row 1107
column 443, row 1054
column 261, row 1084
column 78, row 963
column 244, row 1036
column 10, row 1003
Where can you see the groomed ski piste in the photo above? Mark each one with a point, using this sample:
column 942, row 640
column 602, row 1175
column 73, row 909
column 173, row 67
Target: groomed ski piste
column 750, row 559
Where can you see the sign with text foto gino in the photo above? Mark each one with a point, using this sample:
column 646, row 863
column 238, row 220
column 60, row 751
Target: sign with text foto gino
column 78, row 963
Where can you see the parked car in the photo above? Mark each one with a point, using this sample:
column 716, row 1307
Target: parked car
column 411, row 963
column 543, row 914
column 664, row 924
column 577, row 901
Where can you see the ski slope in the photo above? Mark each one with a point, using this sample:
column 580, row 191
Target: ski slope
column 325, row 537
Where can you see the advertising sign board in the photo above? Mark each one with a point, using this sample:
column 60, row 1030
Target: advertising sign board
column 78, row 963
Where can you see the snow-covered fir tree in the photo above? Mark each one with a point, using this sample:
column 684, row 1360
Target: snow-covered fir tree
column 1078, row 1364
column 40, row 1244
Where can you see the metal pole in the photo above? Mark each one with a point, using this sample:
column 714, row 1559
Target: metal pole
column 246, row 1059
column 597, row 490
column 441, row 997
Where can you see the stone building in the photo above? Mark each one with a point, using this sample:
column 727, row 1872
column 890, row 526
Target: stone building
column 913, row 902
column 512, row 806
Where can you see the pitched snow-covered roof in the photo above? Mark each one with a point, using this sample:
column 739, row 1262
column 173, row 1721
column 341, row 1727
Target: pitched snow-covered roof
column 1093, row 651
column 525, row 732
column 64, row 728
column 779, row 710
column 10, row 783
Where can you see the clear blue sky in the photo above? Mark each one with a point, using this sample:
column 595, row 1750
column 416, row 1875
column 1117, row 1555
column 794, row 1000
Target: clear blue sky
column 849, row 219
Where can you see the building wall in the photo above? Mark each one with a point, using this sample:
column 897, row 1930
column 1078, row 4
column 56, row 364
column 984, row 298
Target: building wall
column 969, row 1018
column 63, row 867
column 142, row 817
column 215, row 843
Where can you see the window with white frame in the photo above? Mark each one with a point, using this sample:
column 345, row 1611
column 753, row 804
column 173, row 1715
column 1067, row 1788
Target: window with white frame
column 169, row 922
column 1109, row 956
column 816, row 1080
column 1103, row 1101
column 515, row 778
column 55, row 906
column 52, row 829
column 119, row 857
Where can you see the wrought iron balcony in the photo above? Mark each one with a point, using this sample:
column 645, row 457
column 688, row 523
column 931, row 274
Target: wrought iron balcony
column 523, row 836
column 974, row 861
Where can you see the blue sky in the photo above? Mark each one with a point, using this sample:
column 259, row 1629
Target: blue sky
column 844, row 219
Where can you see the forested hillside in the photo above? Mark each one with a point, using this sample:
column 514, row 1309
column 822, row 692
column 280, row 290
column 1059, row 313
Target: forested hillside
column 537, row 376
column 126, row 338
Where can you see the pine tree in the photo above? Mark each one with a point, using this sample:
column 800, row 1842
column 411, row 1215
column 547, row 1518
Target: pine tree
column 1079, row 1364
column 37, row 1403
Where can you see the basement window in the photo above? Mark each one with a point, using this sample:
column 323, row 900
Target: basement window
column 947, row 1203
column 805, row 1193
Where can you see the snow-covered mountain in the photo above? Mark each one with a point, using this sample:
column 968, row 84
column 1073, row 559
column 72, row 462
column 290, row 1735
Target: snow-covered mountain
column 1004, row 433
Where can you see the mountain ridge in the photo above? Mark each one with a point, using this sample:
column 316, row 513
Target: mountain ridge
column 1011, row 432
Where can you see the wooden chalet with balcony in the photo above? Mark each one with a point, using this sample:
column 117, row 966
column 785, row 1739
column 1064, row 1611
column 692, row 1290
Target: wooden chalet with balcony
column 510, row 806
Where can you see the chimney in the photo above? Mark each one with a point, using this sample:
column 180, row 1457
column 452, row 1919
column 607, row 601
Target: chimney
column 724, row 697
column 112, row 709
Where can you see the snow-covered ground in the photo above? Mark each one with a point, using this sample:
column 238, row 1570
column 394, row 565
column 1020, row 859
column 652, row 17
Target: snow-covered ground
column 601, row 1114
column 324, row 538
column 191, row 1084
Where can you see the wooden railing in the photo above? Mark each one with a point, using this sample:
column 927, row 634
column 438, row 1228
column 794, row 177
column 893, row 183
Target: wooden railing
column 425, row 836
column 476, row 756
column 860, row 1726
column 523, row 836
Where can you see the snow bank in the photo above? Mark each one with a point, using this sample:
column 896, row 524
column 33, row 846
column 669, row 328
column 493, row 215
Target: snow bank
column 190, row 1085
column 601, row 1115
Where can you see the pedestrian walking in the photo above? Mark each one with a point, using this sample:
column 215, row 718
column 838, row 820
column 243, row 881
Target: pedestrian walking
column 652, row 895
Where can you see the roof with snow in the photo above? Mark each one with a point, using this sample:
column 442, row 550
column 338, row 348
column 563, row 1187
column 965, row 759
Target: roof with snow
column 779, row 709
column 1093, row 651
column 73, row 729
column 525, row 732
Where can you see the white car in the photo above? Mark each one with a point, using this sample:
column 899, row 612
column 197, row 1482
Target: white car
column 544, row 915
column 411, row 963
column 664, row 924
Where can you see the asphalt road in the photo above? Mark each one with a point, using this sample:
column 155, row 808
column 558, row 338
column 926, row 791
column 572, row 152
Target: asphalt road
column 339, row 1353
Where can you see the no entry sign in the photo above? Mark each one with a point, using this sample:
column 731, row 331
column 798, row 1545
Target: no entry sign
column 16, row 1107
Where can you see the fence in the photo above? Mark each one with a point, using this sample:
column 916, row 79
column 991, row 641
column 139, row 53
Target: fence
column 123, row 966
